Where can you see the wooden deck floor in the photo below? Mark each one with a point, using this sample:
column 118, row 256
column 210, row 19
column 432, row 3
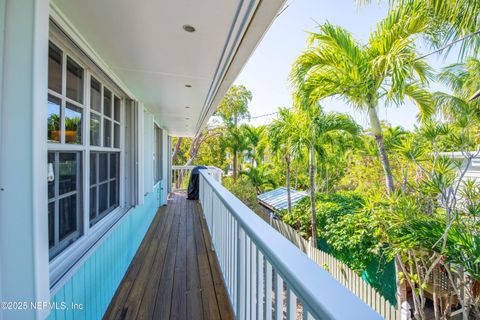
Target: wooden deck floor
column 174, row 274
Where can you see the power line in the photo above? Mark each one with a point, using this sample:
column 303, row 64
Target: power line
column 448, row 45
column 264, row 115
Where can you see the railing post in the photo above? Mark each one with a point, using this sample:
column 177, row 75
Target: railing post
column 212, row 219
column 278, row 285
column 240, row 307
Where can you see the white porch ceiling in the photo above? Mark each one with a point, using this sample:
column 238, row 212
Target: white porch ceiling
column 144, row 44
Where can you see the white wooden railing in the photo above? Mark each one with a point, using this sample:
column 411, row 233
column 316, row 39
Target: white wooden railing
column 341, row 272
column 181, row 176
column 266, row 276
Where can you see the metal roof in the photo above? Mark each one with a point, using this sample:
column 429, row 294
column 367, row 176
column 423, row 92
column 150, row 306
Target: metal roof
column 277, row 199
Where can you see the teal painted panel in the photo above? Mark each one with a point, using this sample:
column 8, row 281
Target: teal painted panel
column 87, row 294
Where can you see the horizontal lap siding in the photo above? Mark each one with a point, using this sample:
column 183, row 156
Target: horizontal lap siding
column 95, row 282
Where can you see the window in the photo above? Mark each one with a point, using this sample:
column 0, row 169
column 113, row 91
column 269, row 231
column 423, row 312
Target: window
column 78, row 101
column 54, row 116
column 74, row 81
column 157, row 156
column 104, row 184
column 55, row 57
column 64, row 200
column 104, row 116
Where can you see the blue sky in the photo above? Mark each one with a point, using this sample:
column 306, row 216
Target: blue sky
column 266, row 73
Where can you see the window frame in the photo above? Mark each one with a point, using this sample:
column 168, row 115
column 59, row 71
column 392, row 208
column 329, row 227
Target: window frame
column 108, row 181
column 61, row 244
column 66, row 259
column 157, row 153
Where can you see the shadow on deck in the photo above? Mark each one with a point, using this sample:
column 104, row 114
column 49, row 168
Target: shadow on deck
column 174, row 274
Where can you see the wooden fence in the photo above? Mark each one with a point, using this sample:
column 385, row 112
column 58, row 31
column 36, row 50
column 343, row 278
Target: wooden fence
column 341, row 272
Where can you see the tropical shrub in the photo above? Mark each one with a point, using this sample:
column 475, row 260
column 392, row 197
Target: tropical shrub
column 342, row 223
column 244, row 190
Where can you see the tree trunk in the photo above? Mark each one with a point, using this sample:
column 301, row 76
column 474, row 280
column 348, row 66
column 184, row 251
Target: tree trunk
column 312, row 195
column 176, row 150
column 296, row 176
column 289, row 197
column 377, row 132
column 235, row 124
column 234, row 165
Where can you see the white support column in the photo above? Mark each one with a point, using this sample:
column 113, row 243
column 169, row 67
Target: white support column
column 169, row 163
column 24, row 258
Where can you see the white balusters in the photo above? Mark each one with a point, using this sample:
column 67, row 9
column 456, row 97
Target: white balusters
column 267, row 276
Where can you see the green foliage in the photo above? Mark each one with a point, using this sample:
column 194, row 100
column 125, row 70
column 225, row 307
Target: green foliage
column 244, row 190
column 234, row 105
column 343, row 224
column 260, row 177
column 446, row 20
column 334, row 63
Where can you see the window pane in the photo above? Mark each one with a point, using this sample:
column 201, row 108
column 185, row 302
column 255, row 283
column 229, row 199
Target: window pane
column 95, row 95
column 103, row 198
column 54, row 68
column 113, row 194
column 113, row 165
column 93, row 168
column 54, row 107
column 51, row 224
column 116, row 135
column 95, row 121
column 116, row 110
column 107, row 102
column 51, row 184
column 103, row 167
column 68, row 173
column 73, row 124
column 107, row 133
column 67, row 216
column 93, row 203
column 74, row 81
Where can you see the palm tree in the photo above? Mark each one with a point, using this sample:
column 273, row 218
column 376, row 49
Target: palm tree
column 254, row 136
column 448, row 20
column 314, row 131
column 281, row 133
column 463, row 79
column 261, row 177
column 234, row 140
column 335, row 64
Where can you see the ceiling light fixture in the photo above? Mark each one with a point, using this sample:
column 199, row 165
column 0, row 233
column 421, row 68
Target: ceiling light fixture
column 188, row 28
column 188, row 85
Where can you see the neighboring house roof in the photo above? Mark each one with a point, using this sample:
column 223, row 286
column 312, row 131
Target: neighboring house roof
column 277, row 199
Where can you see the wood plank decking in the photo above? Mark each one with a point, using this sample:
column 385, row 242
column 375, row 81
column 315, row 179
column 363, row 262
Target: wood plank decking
column 174, row 274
